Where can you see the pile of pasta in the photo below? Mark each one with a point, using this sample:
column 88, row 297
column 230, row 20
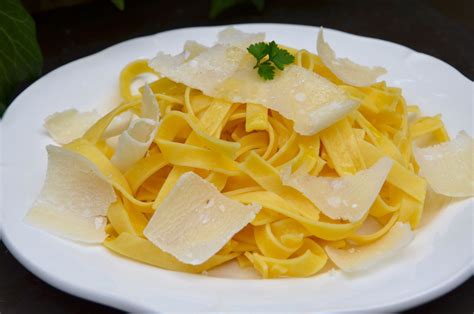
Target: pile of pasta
column 253, row 155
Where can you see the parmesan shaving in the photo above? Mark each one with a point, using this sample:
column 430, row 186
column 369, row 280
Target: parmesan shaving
column 68, row 224
column 150, row 108
column 134, row 143
column 312, row 102
column 364, row 257
column 112, row 142
column 118, row 125
column 195, row 220
column 226, row 72
column 346, row 70
column 68, row 125
column 235, row 37
column 192, row 49
column 74, row 198
column 448, row 167
column 211, row 67
column 348, row 197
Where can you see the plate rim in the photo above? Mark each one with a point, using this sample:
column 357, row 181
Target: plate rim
column 115, row 301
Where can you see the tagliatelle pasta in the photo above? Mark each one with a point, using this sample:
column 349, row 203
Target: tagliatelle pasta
column 232, row 152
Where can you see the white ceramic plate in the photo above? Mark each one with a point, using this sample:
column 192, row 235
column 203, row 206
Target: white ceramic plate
column 439, row 258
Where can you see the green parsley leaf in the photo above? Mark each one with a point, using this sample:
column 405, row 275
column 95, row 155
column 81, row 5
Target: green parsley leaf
column 277, row 57
column 266, row 70
column 272, row 49
column 281, row 58
column 258, row 50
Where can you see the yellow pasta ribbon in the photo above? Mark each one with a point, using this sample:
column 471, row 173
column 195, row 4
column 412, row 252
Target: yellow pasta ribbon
column 256, row 118
column 280, row 239
column 341, row 145
column 268, row 177
column 142, row 250
column 129, row 73
column 306, row 261
column 324, row 230
column 241, row 149
column 398, row 176
column 144, row 169
column 124, row 220
column 365, row 239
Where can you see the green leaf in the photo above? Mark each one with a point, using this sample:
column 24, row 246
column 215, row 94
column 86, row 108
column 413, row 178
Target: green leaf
column 219, row 6
column 281, row 58
column 272, row 49
column 276, row 56
column 120, row 4
column 266, row 70
column 259, row 50
column 20, row 55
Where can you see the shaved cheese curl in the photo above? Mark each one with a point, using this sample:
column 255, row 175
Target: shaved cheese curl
column 346, row 70
column 150, row 108
column 119, row 124
column 226, row 72
column 134, row 143
column 68, row 125
column 348, row 197
column 235, row 37
column 364, row 257
column 448, row 167
column 195, row 220
column 74, row 198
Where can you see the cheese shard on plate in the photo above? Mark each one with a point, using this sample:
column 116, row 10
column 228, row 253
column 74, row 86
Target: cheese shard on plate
column 134, row 143
column 312, row 102
column 227, row 71
column 74, row 199
column 192, row 49
column 119, row 124
column 366, row 256
column 195, row 220
column 346, row 70
column 448, row 167
column 205, row 71
column 150, row 108
column 349, row 197
column 68, row 125
column 68, row 224
column 235, row 37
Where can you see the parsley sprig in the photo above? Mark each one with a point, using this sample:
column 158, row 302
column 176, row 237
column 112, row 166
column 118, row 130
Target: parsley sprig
column 277, row 57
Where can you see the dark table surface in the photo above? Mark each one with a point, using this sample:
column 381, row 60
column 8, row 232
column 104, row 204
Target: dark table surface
column 443, row 29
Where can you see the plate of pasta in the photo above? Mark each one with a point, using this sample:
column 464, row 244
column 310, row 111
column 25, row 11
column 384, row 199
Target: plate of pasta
column 252, row 167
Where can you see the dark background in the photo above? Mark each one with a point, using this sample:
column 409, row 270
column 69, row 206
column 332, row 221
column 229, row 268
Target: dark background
column 443, row 29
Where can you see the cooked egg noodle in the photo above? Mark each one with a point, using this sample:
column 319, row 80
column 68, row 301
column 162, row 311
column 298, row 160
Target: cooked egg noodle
column 241, row 149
